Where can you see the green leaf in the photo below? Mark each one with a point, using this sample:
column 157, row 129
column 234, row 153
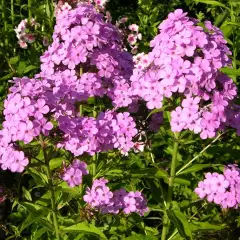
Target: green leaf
column 227, row 30
column 27, row 194
column 221, row 18
column 114, row 173
column 229, row 71
column 234, row 1
column 39, row 177
column 46, row 224
column 141, row 237
column 31, row 207
column 29, row 68
column 6, row 77
column 84, row 228
column 182, row 181
column 149, row 173
column 177, row 237
column 181, row 223
column 156, row 111
column 32, row 217
column 63, row 187
column 214, row 3
column 204, row 226
column 21, row 67
column 39, row 233
column 155, row 190
column 56, row 163
column 195, row 168
column 231, row 23
column 13, row 60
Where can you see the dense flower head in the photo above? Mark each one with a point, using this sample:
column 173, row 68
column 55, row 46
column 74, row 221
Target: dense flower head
column 85, row 59
column 11, row 158
column 83, row 43
column 89, row 135
column 74, row 172
column 186, row 59
column 100, row 197
column 222, row 189
column 25, row 119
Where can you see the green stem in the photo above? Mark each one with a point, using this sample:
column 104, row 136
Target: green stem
column 81, row 110
column 176, row 231
column 190, row 162
column 233, row 19
column 51, row 8
column 81, row 106
column 12, row 12
column 95, row 156
column 29, row 9
column 94, row 163
column 166, row 221
column 51, row 186
column 81, row 71
column 4, row 17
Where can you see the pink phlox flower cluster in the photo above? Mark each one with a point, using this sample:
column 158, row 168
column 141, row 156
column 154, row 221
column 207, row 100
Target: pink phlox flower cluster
column 100, row 197
column 24, row 32
column 10, row 157
column 74, row 172
column 24, row 113
column 85, row 60
column 186, row 59
column 89, row 135
column 222, row 189
column 141, row 61
column 60, row 7
column 83, row 42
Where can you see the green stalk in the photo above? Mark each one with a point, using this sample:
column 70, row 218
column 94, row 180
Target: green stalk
column 94, row 163
column 29, row 9
column 81, row 110
column 12, row 12
column 51, row 186
column 166, row 221
column 81, row 106
column 95, row 155
column 51, row 8
column 196, row 157
column 233, row 19
column 4, row 17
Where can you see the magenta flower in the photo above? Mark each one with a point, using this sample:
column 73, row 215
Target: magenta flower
column 222, row 189
column 74, row 172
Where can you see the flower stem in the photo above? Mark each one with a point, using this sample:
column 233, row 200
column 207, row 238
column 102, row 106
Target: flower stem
column 51, row 187
column 94, row 164
column 233, row 19
column 12, row 12
column 170, row 188
column 190, row 162
column 29, row 9
column 4, row 17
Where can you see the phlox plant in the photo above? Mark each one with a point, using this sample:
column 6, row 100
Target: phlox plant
column 92, row 134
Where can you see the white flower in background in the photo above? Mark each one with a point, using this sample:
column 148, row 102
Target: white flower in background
column 23, row 32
